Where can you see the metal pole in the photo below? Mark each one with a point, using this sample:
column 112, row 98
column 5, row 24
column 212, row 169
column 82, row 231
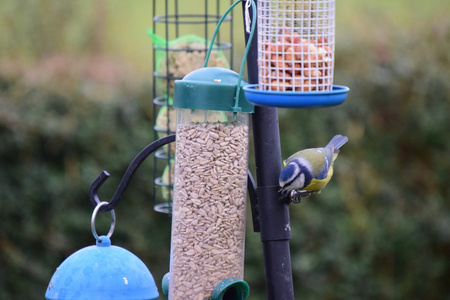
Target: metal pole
column 273, row 213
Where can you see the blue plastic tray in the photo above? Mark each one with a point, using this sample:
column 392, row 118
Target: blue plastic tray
column 296, row 99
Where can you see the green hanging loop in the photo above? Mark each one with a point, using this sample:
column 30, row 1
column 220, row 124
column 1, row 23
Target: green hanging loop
column 236, row 107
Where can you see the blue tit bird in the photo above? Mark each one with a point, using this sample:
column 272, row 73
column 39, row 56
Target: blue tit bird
column 309, row 171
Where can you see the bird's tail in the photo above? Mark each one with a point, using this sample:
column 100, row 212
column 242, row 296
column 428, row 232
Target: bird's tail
column 337, row 141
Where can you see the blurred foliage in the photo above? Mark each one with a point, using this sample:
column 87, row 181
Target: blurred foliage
column 55, row 141
column 69, row 109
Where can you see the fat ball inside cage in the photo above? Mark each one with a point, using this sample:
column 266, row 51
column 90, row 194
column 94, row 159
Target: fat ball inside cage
column 180, row 34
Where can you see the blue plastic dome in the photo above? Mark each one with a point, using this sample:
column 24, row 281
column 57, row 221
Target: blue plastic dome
column 102, row 272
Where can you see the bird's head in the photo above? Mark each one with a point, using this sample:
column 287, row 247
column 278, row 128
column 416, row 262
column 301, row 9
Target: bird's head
column 295, row 175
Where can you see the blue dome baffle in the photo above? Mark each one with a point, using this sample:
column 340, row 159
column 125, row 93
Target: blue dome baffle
column 102, row 272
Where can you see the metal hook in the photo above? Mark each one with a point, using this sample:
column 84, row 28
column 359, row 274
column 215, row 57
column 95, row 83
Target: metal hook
column 137, row 161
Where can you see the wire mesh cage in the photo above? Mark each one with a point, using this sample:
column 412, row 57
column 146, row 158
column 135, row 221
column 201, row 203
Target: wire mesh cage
column 180, row 34
column 296, row 45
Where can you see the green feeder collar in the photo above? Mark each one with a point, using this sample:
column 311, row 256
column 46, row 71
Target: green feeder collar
column 211, row 88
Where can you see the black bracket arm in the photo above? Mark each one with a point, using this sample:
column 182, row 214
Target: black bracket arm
column 132, row 168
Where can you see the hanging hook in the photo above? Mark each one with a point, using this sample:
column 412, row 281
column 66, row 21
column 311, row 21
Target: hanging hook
column 248, row 4
column 137, row 161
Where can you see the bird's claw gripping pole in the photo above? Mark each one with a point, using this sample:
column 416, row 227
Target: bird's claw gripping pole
column 294, row 196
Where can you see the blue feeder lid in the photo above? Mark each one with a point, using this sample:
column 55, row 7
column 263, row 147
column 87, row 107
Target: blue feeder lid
column 102, row 272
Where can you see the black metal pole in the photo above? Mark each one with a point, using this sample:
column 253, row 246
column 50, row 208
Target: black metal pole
column 273, row 213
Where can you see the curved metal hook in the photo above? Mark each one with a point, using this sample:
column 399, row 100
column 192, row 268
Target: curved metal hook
column 137, row 161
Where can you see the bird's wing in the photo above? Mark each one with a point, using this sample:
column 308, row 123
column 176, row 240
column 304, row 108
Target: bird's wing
column 317, row 157
column 321, row 167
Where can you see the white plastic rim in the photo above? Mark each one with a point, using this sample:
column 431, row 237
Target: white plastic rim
column 296, row 45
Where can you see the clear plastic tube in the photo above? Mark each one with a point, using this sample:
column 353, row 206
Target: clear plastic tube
column 209, row 205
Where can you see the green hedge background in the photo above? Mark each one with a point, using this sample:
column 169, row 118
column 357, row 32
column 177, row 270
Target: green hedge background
column 75, row 99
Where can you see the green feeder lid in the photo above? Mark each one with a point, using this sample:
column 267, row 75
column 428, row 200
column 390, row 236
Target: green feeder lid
column 211, row 88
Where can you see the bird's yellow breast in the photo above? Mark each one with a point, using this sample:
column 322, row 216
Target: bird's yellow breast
column 317, row 184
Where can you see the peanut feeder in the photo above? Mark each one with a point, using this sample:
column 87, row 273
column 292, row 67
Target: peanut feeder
column 296, row 45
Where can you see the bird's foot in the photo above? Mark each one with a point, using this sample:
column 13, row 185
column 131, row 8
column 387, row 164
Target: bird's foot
column 295, row 196
column 286, row 196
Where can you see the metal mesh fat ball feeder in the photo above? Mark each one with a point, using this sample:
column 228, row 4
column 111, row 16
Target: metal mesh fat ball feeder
column 180, row 43
column 296, row 42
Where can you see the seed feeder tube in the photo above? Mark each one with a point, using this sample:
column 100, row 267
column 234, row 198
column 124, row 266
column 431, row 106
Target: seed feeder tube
column 210, row 183
column 296, row 42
